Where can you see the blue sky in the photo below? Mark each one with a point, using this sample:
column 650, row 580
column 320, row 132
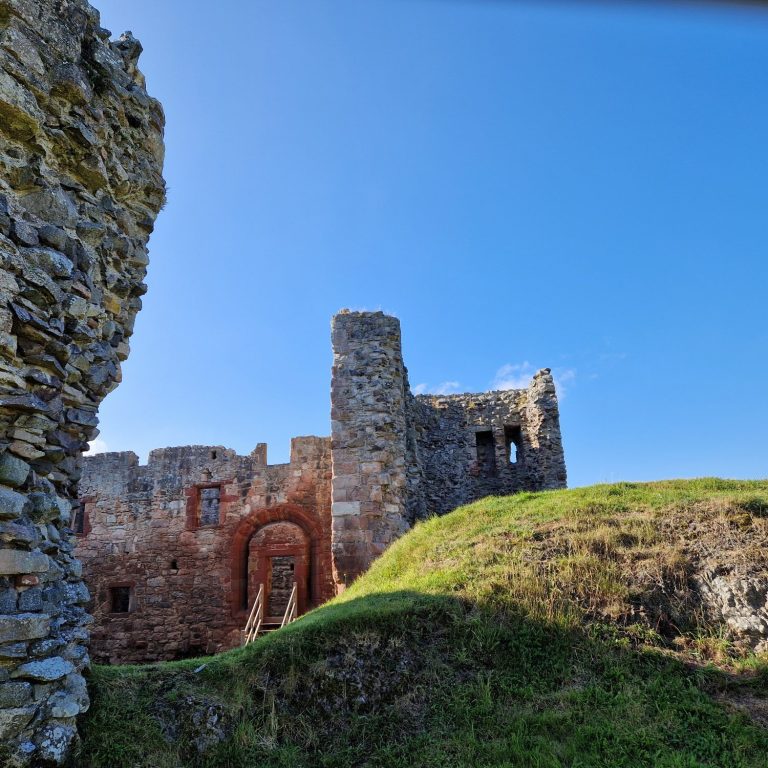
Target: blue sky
column 573, row 185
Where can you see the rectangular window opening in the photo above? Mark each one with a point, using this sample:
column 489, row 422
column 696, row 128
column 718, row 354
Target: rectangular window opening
column 78, row 524
column 486, row 452
column 120, row 599
column 209, row 505
column 513, row 437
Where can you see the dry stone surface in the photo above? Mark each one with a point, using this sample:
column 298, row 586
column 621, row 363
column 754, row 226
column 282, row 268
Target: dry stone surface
column 81, row 155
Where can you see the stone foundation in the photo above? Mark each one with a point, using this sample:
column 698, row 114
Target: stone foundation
column 81, row 155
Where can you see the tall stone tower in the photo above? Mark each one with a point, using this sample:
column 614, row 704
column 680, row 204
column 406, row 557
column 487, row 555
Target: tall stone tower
column 81, row 155
column 369, row 388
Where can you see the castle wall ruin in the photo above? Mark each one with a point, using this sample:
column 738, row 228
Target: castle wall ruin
column 399, row 458
column 174, row 551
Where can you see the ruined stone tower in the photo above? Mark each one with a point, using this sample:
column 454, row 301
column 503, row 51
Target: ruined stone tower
column 81, row 153
column 369, row 431
column 398, row 457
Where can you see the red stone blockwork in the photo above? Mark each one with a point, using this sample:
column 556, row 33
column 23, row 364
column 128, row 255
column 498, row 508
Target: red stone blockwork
column 189, row 584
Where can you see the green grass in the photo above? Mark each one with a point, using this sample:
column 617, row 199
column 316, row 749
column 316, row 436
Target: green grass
column 540, row 630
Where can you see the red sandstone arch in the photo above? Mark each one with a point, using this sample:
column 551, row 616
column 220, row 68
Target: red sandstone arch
column 248, row 527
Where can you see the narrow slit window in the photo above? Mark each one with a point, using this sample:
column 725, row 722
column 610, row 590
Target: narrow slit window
column 209, row 505
column 78, row 524
column 514, row 440
column 120, row 599
column 486, row 452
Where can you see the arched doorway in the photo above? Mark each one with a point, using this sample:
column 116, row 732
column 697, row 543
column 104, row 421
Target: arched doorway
column 278, row 558
column 316, row 555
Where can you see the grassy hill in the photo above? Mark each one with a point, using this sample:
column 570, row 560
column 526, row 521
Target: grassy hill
column 539, row 630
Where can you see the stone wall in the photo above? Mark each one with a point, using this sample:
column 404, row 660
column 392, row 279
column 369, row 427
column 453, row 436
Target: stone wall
column 177, row 536
column 369, row 388
column 491, row 443
column 80, row 185
column 399, row 458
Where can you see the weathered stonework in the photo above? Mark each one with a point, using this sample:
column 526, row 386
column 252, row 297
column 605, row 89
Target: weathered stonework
column 174, row 551
column 398, row 458
column 80, row 185
column 189, row 565
column 369, row 398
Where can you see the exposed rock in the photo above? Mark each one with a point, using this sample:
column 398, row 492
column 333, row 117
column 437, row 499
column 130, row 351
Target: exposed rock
column 741, row 602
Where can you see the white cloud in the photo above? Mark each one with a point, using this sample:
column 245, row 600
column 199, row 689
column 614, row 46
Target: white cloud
column 513, row 376
column 519, row 375
column 446, row 388
column 96, row 446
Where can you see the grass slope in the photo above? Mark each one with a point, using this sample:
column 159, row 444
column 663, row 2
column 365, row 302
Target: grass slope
column 538, row 630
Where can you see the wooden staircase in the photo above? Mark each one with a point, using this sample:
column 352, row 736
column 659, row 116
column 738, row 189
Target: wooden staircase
column 256, row 626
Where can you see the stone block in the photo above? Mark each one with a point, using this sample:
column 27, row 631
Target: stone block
column 24, row 626
column 43, row 671
column 12, row 504
column 15, row 694
column 13, row 470
column 13, row 651
column 14, row 720
column 14, row 561
column 343, row 508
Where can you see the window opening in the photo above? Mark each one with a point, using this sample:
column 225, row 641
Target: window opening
column 78, row 525
column 486, row 452
column 514, row 440
column 209, row 505
column 120, row 599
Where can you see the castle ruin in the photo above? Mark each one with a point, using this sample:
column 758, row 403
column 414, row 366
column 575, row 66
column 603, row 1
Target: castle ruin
column 172, row 550
column 175, row 550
